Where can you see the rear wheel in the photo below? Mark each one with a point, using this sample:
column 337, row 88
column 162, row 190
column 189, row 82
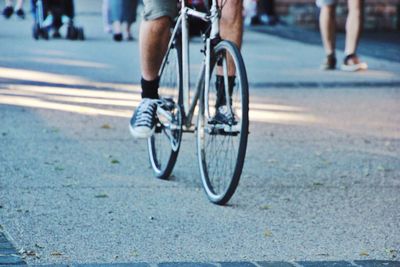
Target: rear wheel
column 222, row 146
column 81, row 35
column 164, row 144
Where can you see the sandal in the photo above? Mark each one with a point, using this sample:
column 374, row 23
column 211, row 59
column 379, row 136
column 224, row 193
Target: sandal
column 8, row 11
column 329, row 63
column 353, row 63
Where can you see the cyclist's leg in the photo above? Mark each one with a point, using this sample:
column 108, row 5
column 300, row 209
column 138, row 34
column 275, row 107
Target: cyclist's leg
column 232, row 21
column 232, row 30
column 154, row 34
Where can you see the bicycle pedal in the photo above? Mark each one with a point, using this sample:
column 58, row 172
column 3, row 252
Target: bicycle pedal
column 220, row 130
column 167, row 104
column 188, row 129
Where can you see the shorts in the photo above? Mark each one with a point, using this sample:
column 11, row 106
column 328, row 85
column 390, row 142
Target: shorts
column 123, row 10
column 321, row 3
column 154, row 9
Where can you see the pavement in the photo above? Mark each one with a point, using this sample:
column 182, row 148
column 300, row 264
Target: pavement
column 320, row 186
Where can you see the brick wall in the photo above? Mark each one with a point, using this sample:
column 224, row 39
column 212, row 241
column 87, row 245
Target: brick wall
column 378, row 14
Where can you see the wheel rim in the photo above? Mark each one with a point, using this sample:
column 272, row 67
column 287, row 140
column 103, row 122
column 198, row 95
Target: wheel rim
column 221, row 155
column 165, row 142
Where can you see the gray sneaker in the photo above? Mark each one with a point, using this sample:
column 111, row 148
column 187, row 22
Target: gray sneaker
column 329, row 63
column 225, row 119
column 353, row 63
column 142, row 124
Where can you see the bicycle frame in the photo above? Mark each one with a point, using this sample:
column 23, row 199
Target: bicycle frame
column 189, row 105
column 221, row 143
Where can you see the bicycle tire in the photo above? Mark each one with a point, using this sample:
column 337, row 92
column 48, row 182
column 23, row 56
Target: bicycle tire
column 210, row 142
column 164, row 144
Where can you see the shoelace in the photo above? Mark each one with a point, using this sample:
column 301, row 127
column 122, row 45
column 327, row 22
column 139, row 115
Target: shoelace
column 145, row 112
column 223, row 110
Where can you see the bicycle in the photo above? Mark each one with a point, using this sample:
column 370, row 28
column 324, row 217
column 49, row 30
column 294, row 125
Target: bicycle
column 221, row 149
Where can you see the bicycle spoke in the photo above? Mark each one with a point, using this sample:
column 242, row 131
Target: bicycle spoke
column 222, row 140
column 164, row 144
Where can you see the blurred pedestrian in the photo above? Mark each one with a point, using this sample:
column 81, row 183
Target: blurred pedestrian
column 107, row 22
column 122, row 11
column 266, row 12
column 9, row 9
column 259, row 12
column 354, row 24
column 249, row 12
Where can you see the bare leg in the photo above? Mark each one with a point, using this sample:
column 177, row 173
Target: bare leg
column 20, row 4
column 128, row 31
column 116, row 27
column 353, row 26
column 9, row 3
column 106, row 16
column 232, row 21
column 153, row 43
column 327, row 26
column 231, row 26
column 154, row 35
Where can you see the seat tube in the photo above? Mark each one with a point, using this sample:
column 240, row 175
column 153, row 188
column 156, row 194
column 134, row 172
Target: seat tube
column 215, row 20
column 185, row 59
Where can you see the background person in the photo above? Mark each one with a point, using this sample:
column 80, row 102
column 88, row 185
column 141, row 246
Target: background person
column 122, row 11
column 354, row 24
column 9, row 9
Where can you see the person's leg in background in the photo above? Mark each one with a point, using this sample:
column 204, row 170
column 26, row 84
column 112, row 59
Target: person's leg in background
column 267, row 12
column 105, row 9
column 19, row 7
column 130, row 9
column 8, row 9
column 116, row 18
column 354, row 25
column 327, row 26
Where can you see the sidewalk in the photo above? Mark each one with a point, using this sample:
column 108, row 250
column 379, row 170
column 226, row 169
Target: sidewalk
column 320, row 186
column 381, row 45
column 287, row 57
column 291, row 58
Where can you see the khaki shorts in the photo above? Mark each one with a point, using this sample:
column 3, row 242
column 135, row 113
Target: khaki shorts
column 154, row 9
column 321, row 3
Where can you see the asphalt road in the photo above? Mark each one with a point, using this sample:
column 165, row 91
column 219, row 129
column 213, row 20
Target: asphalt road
column 321, row 179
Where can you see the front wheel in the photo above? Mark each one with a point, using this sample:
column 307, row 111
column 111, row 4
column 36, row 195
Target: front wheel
column 223, row 124
column 164, row 144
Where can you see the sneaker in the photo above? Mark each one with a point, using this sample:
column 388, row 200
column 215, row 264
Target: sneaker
column 329, row 63
column 20, row 13
column 117, row 37
column 8, row 11
column 142, row 124
column 353, row 63
column 225, row 119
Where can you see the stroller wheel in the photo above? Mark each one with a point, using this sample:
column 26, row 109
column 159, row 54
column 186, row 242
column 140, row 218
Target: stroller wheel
column 72, row 33
column 81, row 35
column 35, row 31
column 44, row 34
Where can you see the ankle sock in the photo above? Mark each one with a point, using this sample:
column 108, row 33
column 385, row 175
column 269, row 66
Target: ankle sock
column 150, row 88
